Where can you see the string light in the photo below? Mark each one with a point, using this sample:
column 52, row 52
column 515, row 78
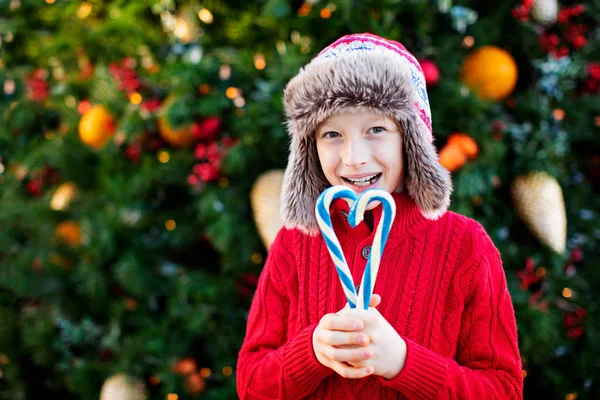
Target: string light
column 227, row 371
column 567, row 293
column 172, row 396
column 154, row 380
column 119, row 138
column 163, row 156
column 259, row 61
column 135, row 98
column 170, row 225
column 83, row 107
column 558, row 114
column 223, row 182
column 225, row 72
column 205, row 16
column 571, row 396
column 524, row 374
column 9, row 86
column 239, row 102
column 70, row 101
column 496, row 182
column 597, row 120
column 304, row 10
column 257, row 258
column 20, row 174
column 281, row 47
column 84, row 10
column 4, row 359
column 50, row 1
column 325, row 13
column 204, row 89
column 205, row 372
column 477, row 200
column 541, row 272
column 131, row 304
column 468, row 42
column 62, row 196
column 232, row 93
column 295, row 36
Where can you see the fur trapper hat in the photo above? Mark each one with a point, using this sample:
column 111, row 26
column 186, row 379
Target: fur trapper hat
column 360, row 72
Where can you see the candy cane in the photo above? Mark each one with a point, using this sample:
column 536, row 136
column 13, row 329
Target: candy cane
column 355, row 216
column 333, row 244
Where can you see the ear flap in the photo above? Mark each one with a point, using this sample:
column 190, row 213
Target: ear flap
column 427, row 182
column 303, row 182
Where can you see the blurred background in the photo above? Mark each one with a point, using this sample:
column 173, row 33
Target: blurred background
column 141, row 149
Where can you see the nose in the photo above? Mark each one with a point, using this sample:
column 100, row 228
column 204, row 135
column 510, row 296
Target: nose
column 355, row 153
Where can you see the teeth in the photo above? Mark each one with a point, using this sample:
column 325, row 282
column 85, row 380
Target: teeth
column 365, row 181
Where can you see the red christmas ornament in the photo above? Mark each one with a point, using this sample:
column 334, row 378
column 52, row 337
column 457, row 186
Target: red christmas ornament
column 37, row 87
column 521, row 11
column 151, row 105
column 193, row 180
column 576, row 255
column 207, row 129
column 34, row 187
column 430, row 71
column 573, row 321
column 528, row 275
column 125, row 76
column 207, row 172
column 594, row 70
column 133, row 152
column 247, row 284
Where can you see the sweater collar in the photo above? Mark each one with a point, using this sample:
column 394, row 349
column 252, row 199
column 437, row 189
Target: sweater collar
column 408, row 216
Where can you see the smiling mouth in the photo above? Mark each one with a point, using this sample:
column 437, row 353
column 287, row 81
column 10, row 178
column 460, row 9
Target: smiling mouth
column 365, row 181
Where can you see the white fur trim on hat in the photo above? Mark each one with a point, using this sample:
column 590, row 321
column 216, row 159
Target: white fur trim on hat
column 360, row 73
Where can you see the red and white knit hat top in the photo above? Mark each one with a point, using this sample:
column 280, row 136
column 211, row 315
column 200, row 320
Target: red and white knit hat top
column 367, row 42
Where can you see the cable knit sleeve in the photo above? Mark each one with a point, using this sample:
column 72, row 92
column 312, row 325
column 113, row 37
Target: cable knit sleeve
column 488, row 364
column 272, row 365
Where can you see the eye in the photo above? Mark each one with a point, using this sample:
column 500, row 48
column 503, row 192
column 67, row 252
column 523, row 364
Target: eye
column 377, row 129
column 330, row 135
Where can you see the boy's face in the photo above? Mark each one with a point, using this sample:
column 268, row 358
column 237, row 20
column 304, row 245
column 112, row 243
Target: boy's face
column 361, row 151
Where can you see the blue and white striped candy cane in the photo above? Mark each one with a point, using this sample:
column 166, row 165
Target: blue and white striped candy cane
column 355, row 216
column 333, row 245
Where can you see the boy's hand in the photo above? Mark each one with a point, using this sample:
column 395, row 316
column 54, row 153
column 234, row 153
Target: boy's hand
column 387, row 348
column 338, row 342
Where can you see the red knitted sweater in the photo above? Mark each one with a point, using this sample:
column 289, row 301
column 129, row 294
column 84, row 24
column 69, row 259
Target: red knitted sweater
column 442, row 288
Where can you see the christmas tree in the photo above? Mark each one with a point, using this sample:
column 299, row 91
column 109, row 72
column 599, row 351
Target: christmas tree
column 141, row 145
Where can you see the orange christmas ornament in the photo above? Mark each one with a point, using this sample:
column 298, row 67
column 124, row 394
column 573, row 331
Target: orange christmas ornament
column 180, row 137
column 452, row 158
column 465, row 143
column 491, row 72
column 69, row 232
column 96, row 127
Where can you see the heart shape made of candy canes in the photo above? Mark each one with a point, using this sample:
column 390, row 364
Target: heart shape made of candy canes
column 358, row 205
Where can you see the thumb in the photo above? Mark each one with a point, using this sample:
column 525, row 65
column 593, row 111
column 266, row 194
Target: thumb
column 375, row 300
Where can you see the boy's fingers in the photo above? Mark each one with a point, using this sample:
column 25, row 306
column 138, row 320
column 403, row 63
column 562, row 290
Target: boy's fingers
column 338, row 338
column 347, row 354
column 338, row 323
column 375, row 300
column 350, row 372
